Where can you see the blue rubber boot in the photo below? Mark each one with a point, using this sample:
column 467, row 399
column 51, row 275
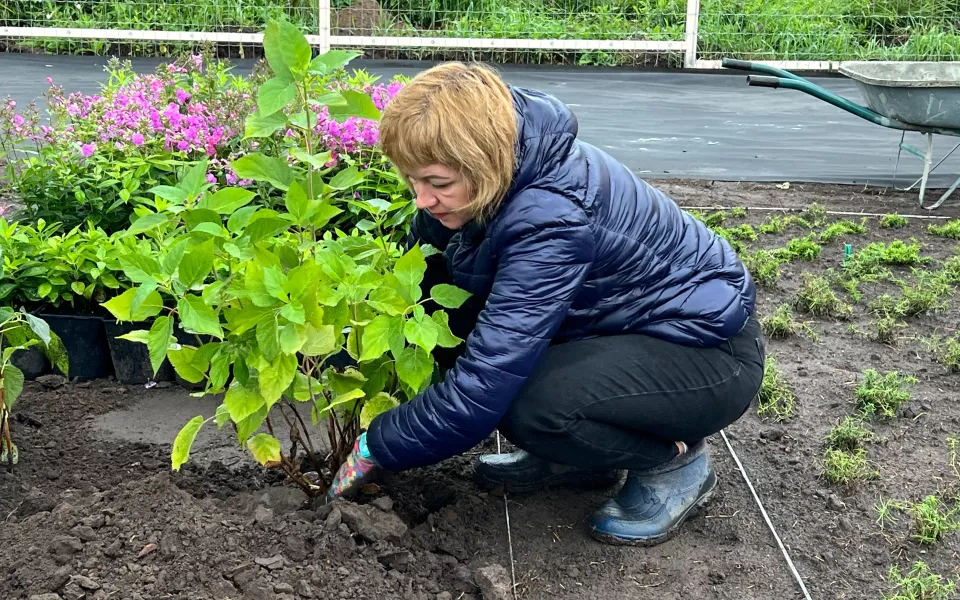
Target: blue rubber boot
column 521, row 472
column 652, row 505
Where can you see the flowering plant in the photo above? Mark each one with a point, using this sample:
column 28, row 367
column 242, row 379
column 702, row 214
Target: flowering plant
column 102, row 155
column 295, row 303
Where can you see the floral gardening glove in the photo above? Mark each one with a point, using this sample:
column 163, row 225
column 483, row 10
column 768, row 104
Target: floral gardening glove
column 357, row 470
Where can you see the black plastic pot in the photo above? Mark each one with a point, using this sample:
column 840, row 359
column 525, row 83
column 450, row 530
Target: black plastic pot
column 131, row 360
column 85, row 340
column 32, row 362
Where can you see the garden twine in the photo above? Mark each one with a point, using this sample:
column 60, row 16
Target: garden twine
column 766, row 518
column 506, row 512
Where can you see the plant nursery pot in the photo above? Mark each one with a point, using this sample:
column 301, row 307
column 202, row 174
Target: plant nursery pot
column 131, row 360
column 85, row 340
column 32, row 362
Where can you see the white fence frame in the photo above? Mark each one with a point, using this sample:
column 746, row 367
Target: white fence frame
column 324, row 41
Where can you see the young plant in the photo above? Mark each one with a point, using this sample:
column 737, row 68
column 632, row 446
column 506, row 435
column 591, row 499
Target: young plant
column 933, row 519
column 926, row 295
column 800, row 248
column 773, row 224
column 846, row 468
column 816, row 297
column 920, row 583
column 764, row 267
column 781, row 324
column 286, row 309
column 950, row 230
column 738, row 212
column 883, row 395
column 744, row 232
column 893, row 221
column 775, row 399
column 816, row 214
column 840, row 228
column 20, row 331
column 849, row 435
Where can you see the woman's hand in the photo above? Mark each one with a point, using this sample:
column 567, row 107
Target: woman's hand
column 357, row 470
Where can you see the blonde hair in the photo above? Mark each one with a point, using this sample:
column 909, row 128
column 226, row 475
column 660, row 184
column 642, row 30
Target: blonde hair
column 460, row 116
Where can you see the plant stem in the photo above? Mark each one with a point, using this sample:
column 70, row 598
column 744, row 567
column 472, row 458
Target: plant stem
column 303, row 428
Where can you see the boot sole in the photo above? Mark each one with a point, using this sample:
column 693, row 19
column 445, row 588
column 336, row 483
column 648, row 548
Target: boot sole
column 670, row 533
column 597, row 482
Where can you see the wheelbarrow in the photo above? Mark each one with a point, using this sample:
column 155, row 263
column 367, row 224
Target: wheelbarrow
column 923, row 97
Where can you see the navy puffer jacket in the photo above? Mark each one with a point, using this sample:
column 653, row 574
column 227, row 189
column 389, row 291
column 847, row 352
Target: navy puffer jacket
column 580, row 248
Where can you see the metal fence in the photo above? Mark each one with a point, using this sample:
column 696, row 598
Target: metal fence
column 797, row 34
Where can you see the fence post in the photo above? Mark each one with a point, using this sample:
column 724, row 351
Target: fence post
column 692, row 31
column 323, row 25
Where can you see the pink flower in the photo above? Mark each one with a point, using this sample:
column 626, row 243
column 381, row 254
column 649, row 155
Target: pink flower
column 211, row 178
column 50, row 80
column 182, row 96
column 87, row 150
column 183, row 146
column 137, row 139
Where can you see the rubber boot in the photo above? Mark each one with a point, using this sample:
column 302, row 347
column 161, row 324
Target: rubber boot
column 652, row 504
column 521, row 472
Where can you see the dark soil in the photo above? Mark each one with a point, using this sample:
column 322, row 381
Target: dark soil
column 78, row 511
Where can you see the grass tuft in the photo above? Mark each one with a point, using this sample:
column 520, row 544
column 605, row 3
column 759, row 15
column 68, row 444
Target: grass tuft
column 842, row 467
column 849, row 435
column 893, row 221
column 840, row 228
column 764, row 267
column 781, row 324
column 883, row 395
column 804, row 248
column 920, row 583
column 950, row 230
column 775, row 399
column 817, row 298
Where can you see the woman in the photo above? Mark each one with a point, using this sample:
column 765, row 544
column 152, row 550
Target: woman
column 609, row 329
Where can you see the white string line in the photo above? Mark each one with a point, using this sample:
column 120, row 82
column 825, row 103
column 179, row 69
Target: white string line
column 506, row 512
column 766, row 518
column 845, row 213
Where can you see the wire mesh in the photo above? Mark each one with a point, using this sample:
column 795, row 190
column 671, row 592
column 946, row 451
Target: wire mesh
column 830, row 30
column 767, row 30
column 515, row 20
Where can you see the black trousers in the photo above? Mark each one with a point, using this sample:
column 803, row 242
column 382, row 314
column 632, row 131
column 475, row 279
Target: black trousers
column 621, row 402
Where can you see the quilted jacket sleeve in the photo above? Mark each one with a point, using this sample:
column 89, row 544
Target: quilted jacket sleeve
column 542, row 261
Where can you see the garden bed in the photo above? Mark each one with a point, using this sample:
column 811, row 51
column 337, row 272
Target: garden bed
column 79, row 508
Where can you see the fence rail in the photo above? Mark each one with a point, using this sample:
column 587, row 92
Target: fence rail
column 792, row 34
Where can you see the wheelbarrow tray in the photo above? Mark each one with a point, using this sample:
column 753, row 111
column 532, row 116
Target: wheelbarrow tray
column 919, row 93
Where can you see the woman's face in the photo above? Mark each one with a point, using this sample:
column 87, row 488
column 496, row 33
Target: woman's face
column 440, row 191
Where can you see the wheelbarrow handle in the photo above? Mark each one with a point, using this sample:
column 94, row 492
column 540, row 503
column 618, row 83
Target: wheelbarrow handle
column 763, row 81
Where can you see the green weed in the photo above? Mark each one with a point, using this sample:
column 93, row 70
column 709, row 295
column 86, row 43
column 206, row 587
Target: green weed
column 948, row 352
column 764, row 267
column 872, row 259
column 816, row 214
column 887, row 329
column 849, row 435
column 950, row 230
column 883, row 395
column 950, row 270
column 840, row 228
column 920, row 583
column 744, row 232
column 933, row 519
column 842, row 467
column 926, row 295
column 738, row 212
column 775, row 399
column 816, row 297
column 773, row 224
column 781, row 324
column 885, row 511
column 804, row 248
column 714, row 219
column 893, row 221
